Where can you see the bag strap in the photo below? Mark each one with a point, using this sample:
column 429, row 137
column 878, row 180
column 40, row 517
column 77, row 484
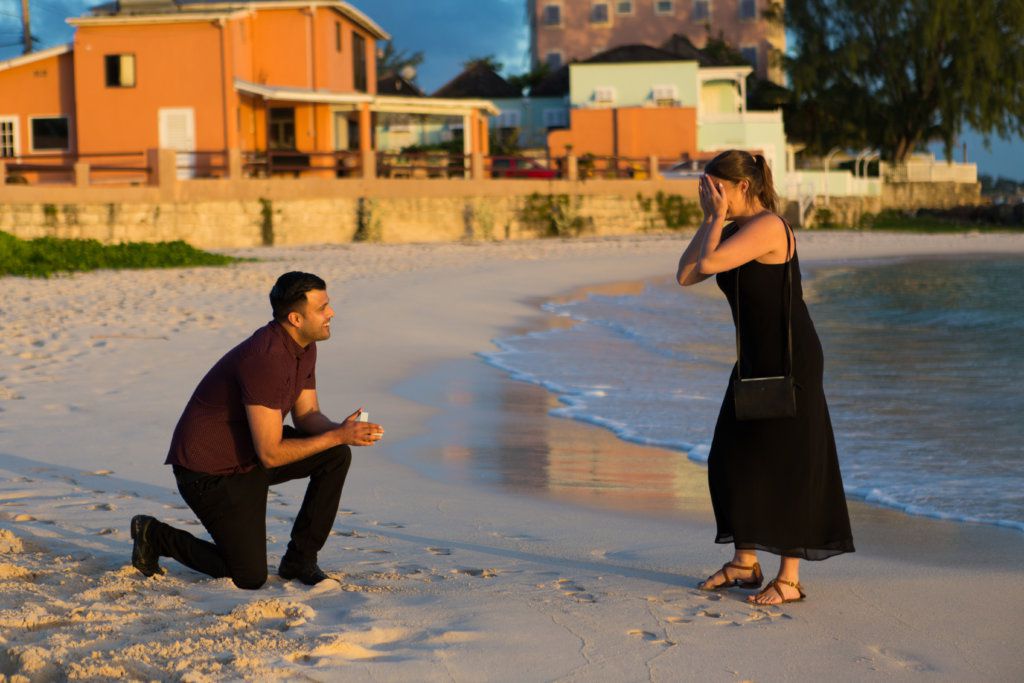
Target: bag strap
column 787, row 369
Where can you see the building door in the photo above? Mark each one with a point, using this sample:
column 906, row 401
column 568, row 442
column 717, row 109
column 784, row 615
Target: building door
column 178, row 131
column 8, row 137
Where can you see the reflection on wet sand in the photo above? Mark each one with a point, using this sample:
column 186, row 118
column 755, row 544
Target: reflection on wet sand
column 498, row 431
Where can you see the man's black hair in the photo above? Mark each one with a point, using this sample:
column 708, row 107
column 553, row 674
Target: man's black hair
column 289, row 292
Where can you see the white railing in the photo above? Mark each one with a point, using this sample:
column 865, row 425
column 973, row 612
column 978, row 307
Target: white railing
column 833, row 184
column 927, row 170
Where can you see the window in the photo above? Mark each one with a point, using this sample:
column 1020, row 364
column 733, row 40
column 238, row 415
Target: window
column 120, row 71
column 50, row 134
column 8, row 137
column 624, row 7
column 552, row 15
column 553, row 60
column 750, row 54
column 665, row 95
column 337, row 36
column 556, row 118
column 281, row 129
column 599, row 13
column 748, row 9
column 664, row 7
column 358, row 62
column 604, row 94
column 701, row 10
column 509, row 119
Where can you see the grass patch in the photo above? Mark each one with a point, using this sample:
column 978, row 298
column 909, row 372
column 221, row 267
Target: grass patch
column 903, row 221
column 46, row 256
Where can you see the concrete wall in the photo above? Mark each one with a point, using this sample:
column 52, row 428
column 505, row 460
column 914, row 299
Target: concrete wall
column 208, row 215
column 847, row 211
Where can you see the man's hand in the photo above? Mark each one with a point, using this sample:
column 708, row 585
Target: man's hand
column 352, row 432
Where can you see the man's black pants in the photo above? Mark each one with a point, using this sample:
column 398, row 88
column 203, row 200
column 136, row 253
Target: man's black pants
column 233, row 508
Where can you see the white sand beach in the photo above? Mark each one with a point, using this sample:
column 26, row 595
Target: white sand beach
column 437, row 580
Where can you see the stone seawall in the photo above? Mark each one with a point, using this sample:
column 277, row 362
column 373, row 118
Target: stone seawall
column 848, row 211
column 261, row 221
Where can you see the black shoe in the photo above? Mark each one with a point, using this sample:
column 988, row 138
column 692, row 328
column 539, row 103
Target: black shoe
column 144, row 556
column 309, row 574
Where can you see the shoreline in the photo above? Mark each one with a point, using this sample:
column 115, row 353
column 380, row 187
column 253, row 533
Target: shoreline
column 436, row 581
column 697, row 453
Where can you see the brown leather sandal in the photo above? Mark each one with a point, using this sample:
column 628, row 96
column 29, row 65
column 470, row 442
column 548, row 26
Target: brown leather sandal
column 729, row 582
column 774, row 584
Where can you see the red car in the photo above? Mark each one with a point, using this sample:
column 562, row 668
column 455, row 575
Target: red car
column 520, row 167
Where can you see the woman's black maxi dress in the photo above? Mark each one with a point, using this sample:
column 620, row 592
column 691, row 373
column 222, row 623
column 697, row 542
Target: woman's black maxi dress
column 775, row 484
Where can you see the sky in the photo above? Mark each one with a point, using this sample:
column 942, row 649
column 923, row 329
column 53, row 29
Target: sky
column 448, row 32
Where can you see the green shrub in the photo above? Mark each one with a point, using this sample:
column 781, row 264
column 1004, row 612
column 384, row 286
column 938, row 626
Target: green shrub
column 45, row 256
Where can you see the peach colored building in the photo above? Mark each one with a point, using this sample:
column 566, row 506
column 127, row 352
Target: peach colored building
column 203, row 78
column 563, row 31
column 668, row 133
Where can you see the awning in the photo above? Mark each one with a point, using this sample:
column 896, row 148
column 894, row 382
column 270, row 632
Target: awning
column 394, row 104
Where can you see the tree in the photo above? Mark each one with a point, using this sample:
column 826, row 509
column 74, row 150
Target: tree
column 897, row 74
column 531, row 78
column 393, row 61
column 490, row 61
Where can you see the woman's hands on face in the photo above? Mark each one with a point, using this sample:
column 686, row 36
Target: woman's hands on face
column 713, row 201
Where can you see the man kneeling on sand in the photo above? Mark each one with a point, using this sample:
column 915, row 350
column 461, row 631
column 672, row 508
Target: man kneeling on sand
column 231, row 444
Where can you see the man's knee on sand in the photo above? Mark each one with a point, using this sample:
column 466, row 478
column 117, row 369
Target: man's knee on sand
column 340, row 458
column 250, row 580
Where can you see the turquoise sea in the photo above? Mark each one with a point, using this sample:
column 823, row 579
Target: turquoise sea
column 924, row 373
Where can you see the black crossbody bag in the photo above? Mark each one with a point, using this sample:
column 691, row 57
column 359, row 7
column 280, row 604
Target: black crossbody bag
column 764, row 398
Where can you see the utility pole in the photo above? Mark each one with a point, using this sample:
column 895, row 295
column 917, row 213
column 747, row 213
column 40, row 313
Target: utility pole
column 27, row 32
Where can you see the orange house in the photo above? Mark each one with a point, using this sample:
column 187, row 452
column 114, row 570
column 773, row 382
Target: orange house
column 207, row 77
column 668, row 133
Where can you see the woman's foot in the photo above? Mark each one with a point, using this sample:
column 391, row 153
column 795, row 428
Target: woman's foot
column 734, row 574
column 778, row 592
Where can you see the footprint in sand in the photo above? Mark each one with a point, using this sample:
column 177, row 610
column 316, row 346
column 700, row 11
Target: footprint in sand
column 390, row 525
column 343, row 513
column 439, row 551
column 649, row 637
column 24, row 518
column 107, row 507
column 479, row 573
column 100, row 473
column 571, row 589
column 349, row 534
column 678, row 620
column 900, row 661
column 106, row 532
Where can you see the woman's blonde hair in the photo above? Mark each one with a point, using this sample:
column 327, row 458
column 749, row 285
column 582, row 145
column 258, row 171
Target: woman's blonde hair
column 735, row 165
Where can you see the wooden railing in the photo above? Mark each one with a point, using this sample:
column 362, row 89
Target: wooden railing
column 157, row 167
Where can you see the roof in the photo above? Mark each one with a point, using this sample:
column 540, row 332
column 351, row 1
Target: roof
column 478, row 80
column 164, row 11
column 393, row 84
column 379, row 103
column 633, row 53
column 34, row 56
column 683, row 48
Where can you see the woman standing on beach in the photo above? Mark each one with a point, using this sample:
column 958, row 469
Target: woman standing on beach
column 775, row 483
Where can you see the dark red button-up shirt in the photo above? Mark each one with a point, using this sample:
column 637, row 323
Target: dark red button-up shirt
column 267, row 369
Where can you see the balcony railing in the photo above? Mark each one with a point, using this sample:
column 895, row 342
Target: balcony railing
column 158, row 167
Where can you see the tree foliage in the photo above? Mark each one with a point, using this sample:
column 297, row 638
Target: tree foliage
column 897, row 74
column 395, row 61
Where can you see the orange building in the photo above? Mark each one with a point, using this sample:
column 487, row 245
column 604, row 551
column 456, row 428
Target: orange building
column 668, row 133
column 208, row 77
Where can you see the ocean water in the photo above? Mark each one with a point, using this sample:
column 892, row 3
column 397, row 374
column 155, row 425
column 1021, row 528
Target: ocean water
column 924, row 374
